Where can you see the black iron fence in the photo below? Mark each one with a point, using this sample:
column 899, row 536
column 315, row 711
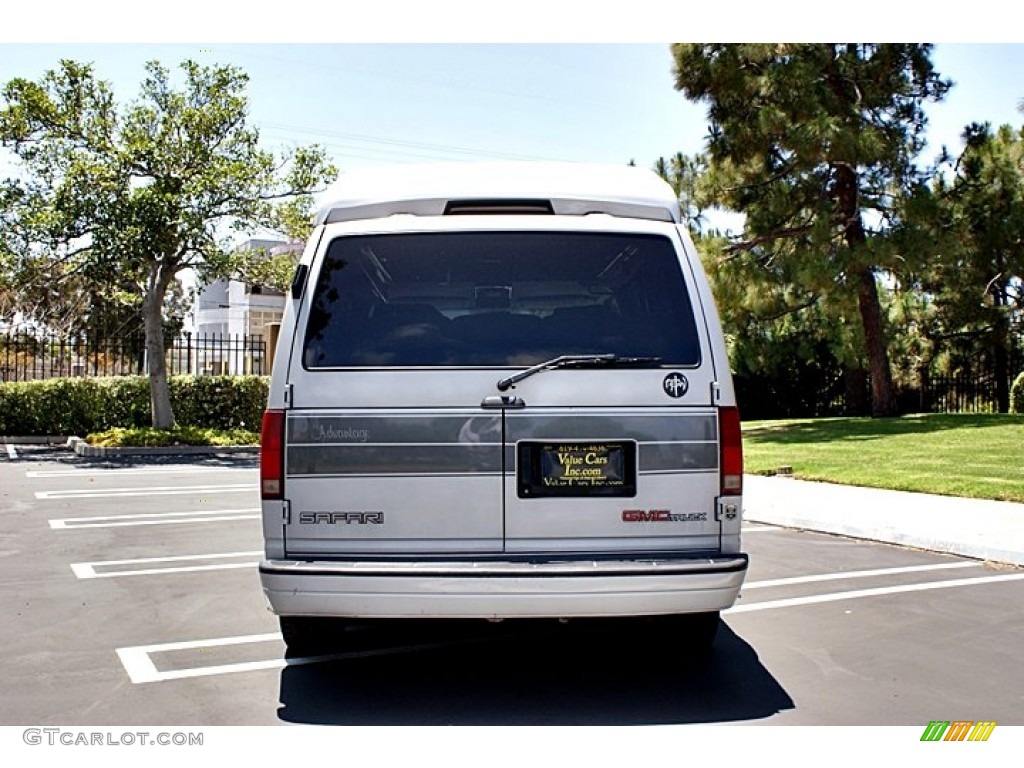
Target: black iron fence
column 963, row 393
column 797, row 396
column 27, row 355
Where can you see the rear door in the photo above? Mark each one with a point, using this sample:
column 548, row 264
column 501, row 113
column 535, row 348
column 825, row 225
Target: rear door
column 606, row 458
column 400, row 442
column 601, row 480
column 388, row 481
column 390, row 451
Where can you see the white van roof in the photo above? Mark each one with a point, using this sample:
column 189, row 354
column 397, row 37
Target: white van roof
column 573, row 189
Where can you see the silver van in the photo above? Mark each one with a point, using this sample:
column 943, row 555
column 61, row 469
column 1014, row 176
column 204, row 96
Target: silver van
column 500, row 391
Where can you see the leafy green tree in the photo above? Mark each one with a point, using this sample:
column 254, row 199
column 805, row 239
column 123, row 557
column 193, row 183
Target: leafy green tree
column 815, row 144
column 269, row 268
column 133, row 195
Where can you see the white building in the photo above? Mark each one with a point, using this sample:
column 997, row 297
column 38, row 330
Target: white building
column 231, row 320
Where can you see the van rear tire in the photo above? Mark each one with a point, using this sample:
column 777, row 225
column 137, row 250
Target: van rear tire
column 312, row 635
column 693, row 631
column 703, row 628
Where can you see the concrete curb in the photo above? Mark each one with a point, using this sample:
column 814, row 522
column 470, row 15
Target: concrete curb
column 81, row 448
column 34, row 440
column 986, row 530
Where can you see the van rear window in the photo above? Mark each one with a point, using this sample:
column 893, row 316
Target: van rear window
column 498, row 299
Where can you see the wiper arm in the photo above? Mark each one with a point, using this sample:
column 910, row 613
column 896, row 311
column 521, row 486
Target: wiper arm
column 569, row 361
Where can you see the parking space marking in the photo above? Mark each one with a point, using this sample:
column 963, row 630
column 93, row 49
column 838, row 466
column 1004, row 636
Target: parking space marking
column 85, row 472
column 138, row 662
column 158, row 491
column 877, row 592
column 860, row 574
column 141, row 669
column 155, row 518
column 88, row 570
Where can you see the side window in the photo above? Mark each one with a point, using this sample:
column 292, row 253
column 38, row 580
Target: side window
column 498, row 299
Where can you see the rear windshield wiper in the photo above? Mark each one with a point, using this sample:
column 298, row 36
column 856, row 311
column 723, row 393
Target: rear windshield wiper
column 577, row 361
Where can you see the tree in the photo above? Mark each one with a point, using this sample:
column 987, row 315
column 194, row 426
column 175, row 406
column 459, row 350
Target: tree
column 973, row 280
column 683, row 173
column 815, row 143
column 132, row 196
column 270, row 268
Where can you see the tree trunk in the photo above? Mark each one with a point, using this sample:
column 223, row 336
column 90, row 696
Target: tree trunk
column 883, row 393
column 855, row 392
column 152, row 313
column 1000, row 350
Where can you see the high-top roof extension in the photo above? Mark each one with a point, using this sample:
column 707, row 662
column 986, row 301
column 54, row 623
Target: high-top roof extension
column 567, row 189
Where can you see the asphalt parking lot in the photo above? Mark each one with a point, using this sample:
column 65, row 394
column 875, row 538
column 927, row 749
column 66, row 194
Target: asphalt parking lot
column 130, row 596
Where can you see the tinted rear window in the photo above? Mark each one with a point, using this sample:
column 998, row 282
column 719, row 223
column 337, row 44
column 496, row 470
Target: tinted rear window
column 498, row 299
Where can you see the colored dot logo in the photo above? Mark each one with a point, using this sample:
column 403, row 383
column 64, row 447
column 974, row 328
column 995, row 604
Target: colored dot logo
column 958, row 730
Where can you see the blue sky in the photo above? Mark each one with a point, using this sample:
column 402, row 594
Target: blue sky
column 377, row 103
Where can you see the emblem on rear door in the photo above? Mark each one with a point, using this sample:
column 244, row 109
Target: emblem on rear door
column 675, row 385
column 662, row 516
column 334, row 518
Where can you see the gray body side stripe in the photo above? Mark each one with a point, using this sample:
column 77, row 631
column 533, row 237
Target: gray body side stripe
column 452, row 445
column 372, row 459
column 486, row 428
column 393, row 459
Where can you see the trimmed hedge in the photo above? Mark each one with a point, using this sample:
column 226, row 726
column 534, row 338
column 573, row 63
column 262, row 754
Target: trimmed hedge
column 1017, row 395
column 82, row 405
column 149, row 437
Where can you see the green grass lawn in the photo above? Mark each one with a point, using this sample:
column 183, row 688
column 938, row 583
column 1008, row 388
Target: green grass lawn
column 975, row 455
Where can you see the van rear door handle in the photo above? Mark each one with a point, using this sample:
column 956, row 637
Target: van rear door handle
column 502, row 401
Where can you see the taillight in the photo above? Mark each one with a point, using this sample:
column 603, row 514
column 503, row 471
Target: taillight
column 730, row 451
column 272, row 455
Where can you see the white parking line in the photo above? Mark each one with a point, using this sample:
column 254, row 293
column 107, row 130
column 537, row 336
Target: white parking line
column 139, row 665
column 85, row 472
column 158, row 491
column 877, row 592
column 141, row 669
column 88, row 570
column 156, row 518
column 860, row 574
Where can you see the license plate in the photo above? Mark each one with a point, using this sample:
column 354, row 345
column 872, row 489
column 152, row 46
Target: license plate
column 577, row 469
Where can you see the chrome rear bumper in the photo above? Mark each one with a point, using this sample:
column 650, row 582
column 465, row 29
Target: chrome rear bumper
column 498, row 590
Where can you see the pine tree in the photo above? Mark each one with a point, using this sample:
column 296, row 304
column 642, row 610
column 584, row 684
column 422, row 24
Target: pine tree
column 815, row 143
